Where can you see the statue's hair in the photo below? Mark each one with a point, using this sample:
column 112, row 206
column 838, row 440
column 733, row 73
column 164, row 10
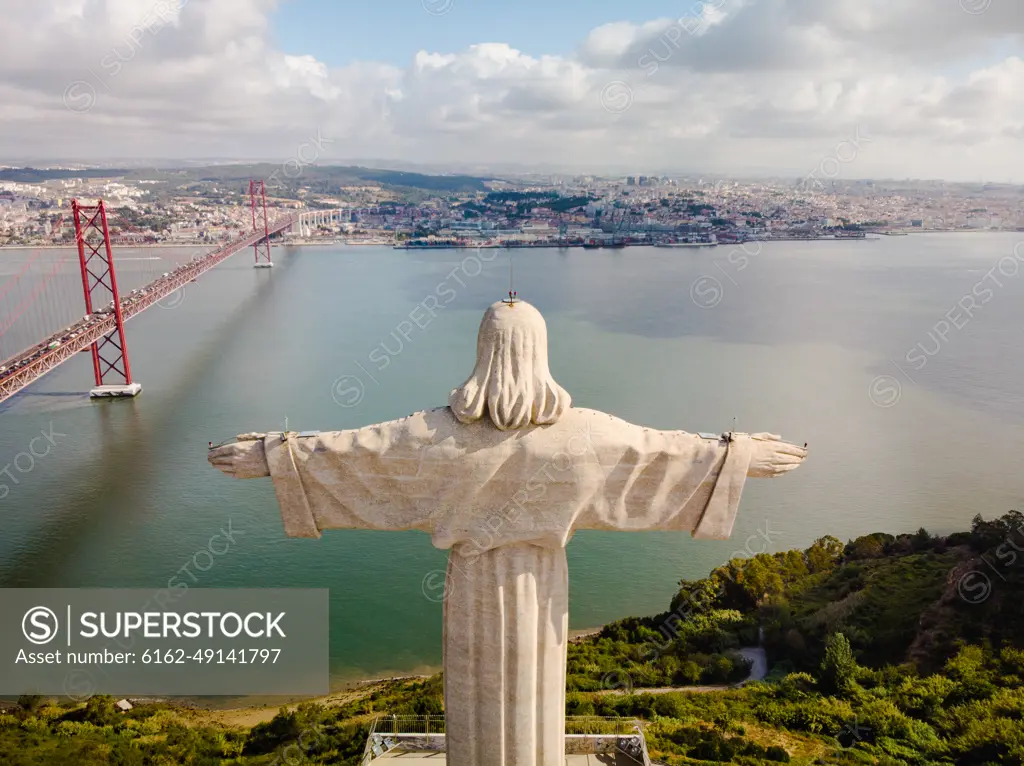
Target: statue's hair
column 511, row 379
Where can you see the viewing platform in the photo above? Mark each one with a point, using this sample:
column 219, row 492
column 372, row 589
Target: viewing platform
column 588, row 741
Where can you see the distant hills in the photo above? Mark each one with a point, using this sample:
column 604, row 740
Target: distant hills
column 321, row 178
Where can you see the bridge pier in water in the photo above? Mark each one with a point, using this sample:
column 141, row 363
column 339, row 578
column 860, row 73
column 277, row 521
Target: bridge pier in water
column 115, row 391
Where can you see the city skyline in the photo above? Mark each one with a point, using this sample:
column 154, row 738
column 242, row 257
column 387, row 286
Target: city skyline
column 736, row 88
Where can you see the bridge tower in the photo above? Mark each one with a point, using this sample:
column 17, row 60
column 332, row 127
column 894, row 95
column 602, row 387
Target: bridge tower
column 109, row 353
column 261, row 247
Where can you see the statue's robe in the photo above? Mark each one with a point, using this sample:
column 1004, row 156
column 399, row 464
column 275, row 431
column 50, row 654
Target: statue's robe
column 506, row 503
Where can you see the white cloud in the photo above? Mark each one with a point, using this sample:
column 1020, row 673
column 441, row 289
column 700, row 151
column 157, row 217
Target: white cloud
column 733, row 87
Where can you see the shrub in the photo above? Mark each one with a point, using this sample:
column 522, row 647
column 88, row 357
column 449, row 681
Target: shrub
column 30, row 703
column 72, row 728
column 796, row 686
column 669, row 705
column 33, row 724
column 282, row 729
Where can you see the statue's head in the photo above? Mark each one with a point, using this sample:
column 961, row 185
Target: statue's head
column 511, row 382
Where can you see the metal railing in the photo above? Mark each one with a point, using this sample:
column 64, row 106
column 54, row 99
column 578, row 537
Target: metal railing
column 603, row 725
column 584, row 734
column 408, row 724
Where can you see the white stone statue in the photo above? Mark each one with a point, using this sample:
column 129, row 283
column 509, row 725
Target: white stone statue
column 503, row 477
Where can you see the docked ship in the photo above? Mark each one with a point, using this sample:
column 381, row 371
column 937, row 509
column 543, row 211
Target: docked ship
column 435, row 244
column 354, row 241
column 696, row 240
column 730, row 238
column 846, row 234
column 616, row 243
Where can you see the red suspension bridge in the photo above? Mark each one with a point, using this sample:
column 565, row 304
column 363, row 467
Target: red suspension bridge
column 101, row 330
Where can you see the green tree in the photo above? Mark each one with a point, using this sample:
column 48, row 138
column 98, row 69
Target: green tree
column 871, row 546
column 759, row 577
column 824, row 554
column 100, row 711
column 689, row 673
column 838, row 667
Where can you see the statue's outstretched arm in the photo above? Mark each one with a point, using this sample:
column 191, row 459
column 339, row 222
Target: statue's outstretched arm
column 243, row 459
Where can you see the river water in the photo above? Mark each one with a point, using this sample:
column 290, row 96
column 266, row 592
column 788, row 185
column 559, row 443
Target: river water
column 899, row 361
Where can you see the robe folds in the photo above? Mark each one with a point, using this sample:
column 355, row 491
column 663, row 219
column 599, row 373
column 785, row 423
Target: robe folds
column 506, row 503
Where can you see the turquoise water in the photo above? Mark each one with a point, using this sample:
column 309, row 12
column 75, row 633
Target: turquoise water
column 800, row 340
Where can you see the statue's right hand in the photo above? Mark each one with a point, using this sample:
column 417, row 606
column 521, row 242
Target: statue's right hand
column 243, row 459
column 773, row 457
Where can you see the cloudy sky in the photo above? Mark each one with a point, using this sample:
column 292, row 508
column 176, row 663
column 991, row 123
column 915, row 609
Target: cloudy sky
column 862, row 88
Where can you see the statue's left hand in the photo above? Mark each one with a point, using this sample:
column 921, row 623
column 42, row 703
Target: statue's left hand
column 243, row 459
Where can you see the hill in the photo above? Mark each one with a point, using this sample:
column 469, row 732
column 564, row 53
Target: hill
column 286, row 178
column 886, row 650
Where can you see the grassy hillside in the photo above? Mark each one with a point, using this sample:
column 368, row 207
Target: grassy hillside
column 886, row 650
